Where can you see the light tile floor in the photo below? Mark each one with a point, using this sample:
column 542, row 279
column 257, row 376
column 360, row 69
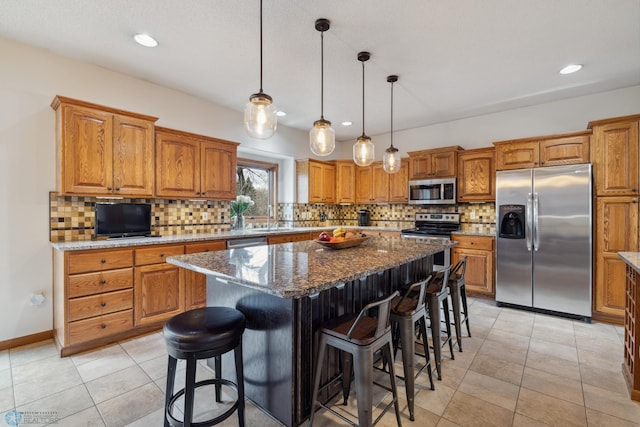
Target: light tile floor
column 518, row 369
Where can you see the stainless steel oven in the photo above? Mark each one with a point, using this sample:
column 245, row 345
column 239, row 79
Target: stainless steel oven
column 432, row 191
column 434, row 228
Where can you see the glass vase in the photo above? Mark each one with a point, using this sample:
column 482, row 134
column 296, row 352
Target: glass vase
column 238, row 222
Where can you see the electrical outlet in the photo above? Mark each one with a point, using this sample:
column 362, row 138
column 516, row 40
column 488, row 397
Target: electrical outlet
column 472, row 215
column 205, row 216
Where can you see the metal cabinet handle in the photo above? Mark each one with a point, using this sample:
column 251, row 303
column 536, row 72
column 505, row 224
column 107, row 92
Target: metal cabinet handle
column 110, row 188
column 103, row 304
column 161, row 255
column 102, row 282
column 117, row 188
column 103, row 326
column 103, row 261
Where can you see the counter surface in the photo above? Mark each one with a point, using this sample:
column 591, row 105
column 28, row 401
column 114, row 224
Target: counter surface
column 295, row 270
column 631, row 258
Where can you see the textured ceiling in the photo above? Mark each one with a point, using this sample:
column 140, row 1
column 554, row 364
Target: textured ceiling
column 455, row 59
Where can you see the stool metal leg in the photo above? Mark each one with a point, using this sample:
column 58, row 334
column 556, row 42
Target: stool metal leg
column 422, row 326
column 363, row 361
column 434, row 316
column 406, row 327
column 447, row 319
column 387, row 351
column 240, row 382
column 218, row 369
column 189, row 390
column 463, row 294
column 316, row 383
column 455, row 304
column 171, row 378
column 347, row 371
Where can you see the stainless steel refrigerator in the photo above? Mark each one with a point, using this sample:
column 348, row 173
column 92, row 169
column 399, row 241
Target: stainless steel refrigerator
column 544, row 238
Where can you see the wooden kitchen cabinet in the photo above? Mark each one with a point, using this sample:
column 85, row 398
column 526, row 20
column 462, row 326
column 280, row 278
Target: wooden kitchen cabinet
column 102, row 151
column 195, row 284
column 479, row 275
column 194, row 166
column 434, row 163
column 552, row 150
column 289, row 238
column 158, row 287
column 316, row 181
column 476, row 175
column 615, row 156
column 372, row 184
column 93, row 295
column 616, row 231
column 631, row 366
column 345, row 181
column 399, row 184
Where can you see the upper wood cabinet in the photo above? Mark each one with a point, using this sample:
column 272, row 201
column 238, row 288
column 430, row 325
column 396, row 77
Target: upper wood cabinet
column 399, row 184
column 435, row 163
column 552, row 150
column 476, row 175
column 615, row 156
column 316, row 181
column 194, row 166
column 372, row 184
column 345, row 181
column 102, row 151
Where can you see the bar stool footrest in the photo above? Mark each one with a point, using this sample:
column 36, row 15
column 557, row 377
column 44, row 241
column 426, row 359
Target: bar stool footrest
column 173, row 422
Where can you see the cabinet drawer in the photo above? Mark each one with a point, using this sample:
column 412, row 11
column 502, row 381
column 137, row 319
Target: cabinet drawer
column 215, row 245
column 99, row 327
column 99, row 261
column 96, row 305
column 474, row 242
column 94, row 283
column 157, row 255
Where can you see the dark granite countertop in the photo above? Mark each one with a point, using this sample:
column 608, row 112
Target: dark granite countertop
column 295, row 270
column 201, row 237
column 631, row 258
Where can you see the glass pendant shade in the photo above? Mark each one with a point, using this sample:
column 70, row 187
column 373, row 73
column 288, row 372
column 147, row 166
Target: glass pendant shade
column 363, row 151
column 260, row 119
column 322, row 138
column 391, row 160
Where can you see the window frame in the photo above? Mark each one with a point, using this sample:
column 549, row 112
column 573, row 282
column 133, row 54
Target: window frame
column 272, row 169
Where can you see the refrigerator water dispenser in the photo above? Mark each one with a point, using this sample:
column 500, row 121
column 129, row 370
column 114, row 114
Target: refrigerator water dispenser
column 512, row 221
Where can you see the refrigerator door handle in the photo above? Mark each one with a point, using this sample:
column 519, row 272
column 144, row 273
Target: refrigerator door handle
column 528, row 222
column 536, row 233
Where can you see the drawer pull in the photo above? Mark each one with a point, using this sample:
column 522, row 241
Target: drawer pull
column 103, row 304
column 161, row 255
column 103, row 326
column 103, row 261
column 102, row 282
column 472, row 243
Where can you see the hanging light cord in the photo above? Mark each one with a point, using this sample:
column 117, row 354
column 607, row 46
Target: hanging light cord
column 321, row 75
column 363, row 99
column 392, row 114
column 260, row 46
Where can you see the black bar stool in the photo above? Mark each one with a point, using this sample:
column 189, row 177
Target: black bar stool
column 197, row 334
column 407, row 312
column 437, row 297
column 458, row 292
column 361, row 336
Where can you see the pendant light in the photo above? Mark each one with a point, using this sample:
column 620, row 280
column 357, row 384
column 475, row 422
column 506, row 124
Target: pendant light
column 322, row 137
column 260, row 120
column 391, row 159
column 363, row 149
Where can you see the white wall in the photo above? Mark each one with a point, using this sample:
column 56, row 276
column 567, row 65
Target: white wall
column 30, row 78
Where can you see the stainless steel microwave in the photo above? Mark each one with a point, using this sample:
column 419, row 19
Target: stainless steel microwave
column 432, row 191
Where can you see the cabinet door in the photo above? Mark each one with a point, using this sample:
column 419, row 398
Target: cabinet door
column 328, row 184
column 517, row 155
column 420, row 166
column 399, row 184
column 158, row 293
column 132, row 157
column 616, row 231
column 476, row 176
column 218, row 171
column 364, row 179
column 315, row 182
column 87, row 151
column 345, row 182
column 615, row 156
column 443, row 164
column 195, row 284
column 177, row 166
column 380, row 190
column 564, row 151
column 478, row 276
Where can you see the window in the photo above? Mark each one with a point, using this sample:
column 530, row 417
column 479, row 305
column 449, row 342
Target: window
column 258, row 180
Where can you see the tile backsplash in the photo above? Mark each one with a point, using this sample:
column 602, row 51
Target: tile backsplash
column 72, row 218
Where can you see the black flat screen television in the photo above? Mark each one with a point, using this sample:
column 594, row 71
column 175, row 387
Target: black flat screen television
column 122, row 219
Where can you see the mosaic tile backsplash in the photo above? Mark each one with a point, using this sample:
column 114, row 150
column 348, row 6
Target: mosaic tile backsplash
column 72, row 218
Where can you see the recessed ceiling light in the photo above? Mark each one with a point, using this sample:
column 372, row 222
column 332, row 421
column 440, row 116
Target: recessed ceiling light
column 281, row 114
column 346, row 123
column 571, row 68
column 145, row 40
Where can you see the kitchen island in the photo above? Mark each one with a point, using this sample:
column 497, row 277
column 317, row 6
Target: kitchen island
column 287, row 291
column 631, row 365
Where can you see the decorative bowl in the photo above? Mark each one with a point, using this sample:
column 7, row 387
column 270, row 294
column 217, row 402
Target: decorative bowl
column 342, row 244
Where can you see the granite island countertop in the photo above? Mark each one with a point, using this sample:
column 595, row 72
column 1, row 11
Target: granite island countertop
column 295, row 270
column 201, row 237
column 631, row 258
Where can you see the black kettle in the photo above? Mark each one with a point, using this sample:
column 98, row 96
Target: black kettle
column 364, row 217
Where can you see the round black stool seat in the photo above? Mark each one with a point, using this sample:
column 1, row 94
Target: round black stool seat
column 197, row 334
column 204, row 329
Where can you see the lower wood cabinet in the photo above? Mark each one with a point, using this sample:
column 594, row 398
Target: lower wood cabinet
column 289, row 238
column 480, row 252
column 101, row 296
